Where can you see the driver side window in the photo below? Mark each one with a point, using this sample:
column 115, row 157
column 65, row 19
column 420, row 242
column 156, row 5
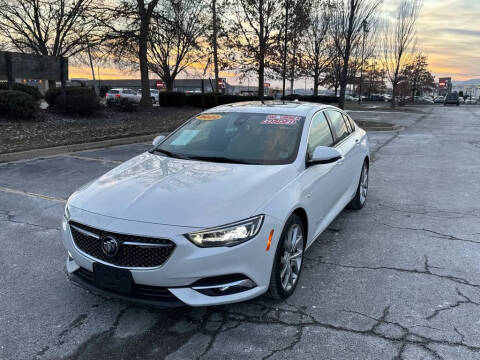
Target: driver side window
column 320, row 134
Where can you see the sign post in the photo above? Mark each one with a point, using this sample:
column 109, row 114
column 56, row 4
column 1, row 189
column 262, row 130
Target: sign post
column 9, row 70
column 31, row 66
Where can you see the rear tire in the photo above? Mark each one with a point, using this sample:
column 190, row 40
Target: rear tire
column 288, row 261
column 362, row 190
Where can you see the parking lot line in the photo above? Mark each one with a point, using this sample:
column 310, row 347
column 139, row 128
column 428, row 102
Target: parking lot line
column 30, row 194
column 93, row 159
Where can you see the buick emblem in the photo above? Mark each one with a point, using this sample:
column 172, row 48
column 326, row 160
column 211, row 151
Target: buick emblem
column 110, row 246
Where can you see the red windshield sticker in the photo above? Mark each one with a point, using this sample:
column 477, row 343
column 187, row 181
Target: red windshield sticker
column 281, row 120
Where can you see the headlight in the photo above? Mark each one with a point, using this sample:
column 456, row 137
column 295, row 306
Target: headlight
column 227, row 235
column 66, row 213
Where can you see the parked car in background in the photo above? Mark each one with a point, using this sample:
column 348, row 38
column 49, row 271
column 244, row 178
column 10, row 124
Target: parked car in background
column 387, row 97
column 220, row 211
column 471, row 101
column 422, row 100
column 154, row 94
column 350, row 98
column 119, row 95
column 461, row 100
column 452, row 99
column 376, row 97
column 439, row 100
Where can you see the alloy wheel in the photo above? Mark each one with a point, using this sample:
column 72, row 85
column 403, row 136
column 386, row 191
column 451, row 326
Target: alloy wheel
column 291, row 260
column 364, row 184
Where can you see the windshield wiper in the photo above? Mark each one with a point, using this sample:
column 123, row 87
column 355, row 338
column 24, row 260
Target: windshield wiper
column 222, row 159
column 172, row 154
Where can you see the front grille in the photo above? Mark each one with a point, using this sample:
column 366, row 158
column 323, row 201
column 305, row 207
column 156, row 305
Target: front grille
column 139, row 291
column 128, row 255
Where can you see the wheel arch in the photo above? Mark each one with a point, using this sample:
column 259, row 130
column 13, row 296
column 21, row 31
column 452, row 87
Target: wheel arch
column 302, row 214
column 367, row 160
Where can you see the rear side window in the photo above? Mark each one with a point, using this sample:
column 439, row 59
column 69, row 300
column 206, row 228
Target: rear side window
column 339, row 125
column 320, row 134
column 349, row 122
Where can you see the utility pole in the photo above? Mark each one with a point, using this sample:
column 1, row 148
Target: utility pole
column 365, row 31
column 95, row 86
column 215, row 44
column 284, row 72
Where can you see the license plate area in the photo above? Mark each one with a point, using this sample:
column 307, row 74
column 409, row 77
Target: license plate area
column 112, row 278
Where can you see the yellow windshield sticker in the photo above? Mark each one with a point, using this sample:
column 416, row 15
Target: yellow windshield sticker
column 209, row 117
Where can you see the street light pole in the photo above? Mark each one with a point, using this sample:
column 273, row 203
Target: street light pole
column 365, row 31
column 284, row 72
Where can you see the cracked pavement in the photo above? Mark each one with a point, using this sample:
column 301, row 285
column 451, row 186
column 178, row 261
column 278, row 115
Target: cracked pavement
column 398, row 280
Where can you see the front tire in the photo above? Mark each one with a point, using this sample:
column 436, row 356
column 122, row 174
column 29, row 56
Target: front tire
column 288, row 262
column 361, row 195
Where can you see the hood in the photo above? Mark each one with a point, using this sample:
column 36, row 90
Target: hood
column 162, row 190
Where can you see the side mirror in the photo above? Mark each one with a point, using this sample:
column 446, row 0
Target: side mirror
column 324, row 155
column 158, row 140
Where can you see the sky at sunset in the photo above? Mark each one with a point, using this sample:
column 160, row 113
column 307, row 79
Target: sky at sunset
column 448, row 32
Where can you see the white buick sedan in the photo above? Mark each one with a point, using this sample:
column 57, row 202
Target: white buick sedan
column 222, row 210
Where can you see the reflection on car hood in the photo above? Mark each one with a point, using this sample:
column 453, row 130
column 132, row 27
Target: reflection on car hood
column 158, row 189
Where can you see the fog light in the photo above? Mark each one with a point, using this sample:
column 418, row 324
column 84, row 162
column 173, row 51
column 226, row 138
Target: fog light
column 226, row 289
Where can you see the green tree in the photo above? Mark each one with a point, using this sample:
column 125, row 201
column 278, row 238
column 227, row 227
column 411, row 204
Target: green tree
column 417, row 75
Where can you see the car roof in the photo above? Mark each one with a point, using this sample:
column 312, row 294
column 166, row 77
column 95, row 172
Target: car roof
column 300, row 108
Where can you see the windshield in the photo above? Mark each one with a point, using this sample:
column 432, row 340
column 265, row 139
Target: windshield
column 248, row 138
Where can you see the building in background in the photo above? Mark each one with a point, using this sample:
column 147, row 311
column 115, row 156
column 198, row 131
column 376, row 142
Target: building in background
column 184, row 85
column 469, row 88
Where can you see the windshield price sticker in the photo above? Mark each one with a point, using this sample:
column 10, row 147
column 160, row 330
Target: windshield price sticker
column 281, row 120
column 209, row 117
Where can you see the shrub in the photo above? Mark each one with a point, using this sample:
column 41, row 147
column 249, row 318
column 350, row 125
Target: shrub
column 31, row 90
column 17, row 104
column 211, row 100
column 175, row 98
column 103, row 90
column 123, row 104
column 76, row 100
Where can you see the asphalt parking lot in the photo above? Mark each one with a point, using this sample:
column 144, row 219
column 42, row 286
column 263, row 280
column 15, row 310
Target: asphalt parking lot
column 399, row 279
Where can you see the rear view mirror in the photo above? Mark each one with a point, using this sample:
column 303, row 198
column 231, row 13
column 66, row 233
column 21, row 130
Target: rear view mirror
column 324, row 155
column 158, row 140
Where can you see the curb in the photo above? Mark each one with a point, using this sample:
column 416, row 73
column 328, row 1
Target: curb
column 64, row 149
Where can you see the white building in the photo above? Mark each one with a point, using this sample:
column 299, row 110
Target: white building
column 468, row 87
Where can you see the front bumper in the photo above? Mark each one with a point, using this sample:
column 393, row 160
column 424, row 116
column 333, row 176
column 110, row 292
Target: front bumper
column 187, row 265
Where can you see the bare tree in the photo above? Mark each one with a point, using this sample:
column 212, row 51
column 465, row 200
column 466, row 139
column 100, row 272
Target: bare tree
column 331, row 78
column 346, row 24
column 297, row 25
column 48, row 27
column 175, row 40
column 127, row 26
column 398, row 41
column 315, row 44
column 288, row 54
column 253, row 35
